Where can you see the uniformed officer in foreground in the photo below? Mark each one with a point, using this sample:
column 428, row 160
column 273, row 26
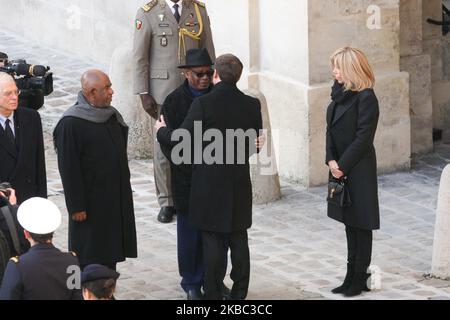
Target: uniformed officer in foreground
column 164, row 31
column 43, row 272
column 98, row 282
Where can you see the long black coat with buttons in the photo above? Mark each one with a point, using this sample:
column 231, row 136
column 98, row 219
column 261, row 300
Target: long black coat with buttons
column 349, row 141
column 221, row 193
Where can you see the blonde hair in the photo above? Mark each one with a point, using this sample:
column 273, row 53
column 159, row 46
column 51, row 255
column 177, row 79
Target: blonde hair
column 354, row 67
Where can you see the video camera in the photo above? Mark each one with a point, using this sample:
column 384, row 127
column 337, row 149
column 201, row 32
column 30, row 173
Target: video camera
column 34, row 81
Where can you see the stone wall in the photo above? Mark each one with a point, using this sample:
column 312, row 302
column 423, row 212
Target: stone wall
column 417, row 63
column 89, row 29
column 334, row 24
column 438, row 47
column 285, row 47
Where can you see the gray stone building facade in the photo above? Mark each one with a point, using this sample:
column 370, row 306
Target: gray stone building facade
column 285, row 46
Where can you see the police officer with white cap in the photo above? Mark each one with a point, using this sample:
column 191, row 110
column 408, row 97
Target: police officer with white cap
column 42, row 272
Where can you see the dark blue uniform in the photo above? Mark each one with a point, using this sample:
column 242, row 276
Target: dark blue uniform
column 39, row 274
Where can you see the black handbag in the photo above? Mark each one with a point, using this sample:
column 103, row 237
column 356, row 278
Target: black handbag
column 338, row 193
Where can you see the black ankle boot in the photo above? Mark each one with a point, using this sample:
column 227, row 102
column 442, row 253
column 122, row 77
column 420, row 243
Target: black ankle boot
column 366, row 277
column 347, row 280
column 358, row 285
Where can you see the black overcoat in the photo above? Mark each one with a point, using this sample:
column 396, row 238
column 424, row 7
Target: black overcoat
column 93, row 164
column 221, row 194
column 349, row 141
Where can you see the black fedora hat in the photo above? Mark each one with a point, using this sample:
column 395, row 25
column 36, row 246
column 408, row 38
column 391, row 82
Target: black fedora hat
column 197, row 58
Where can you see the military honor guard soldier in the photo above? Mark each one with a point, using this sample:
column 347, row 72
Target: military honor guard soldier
column 164, row 31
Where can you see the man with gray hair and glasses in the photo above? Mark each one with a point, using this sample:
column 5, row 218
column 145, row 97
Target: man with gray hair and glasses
column 21, row 144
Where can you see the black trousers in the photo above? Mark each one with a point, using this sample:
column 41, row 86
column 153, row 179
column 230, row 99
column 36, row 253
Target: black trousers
column 214, row 252
column 359, row 246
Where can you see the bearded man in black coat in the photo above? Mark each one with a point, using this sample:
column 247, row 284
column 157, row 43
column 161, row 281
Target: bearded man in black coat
column 91, row 143
column 221, row 194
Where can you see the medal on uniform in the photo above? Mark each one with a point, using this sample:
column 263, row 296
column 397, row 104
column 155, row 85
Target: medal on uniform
column 138, row 24
column 191, row 24
column 161, row 17
column 164, row 41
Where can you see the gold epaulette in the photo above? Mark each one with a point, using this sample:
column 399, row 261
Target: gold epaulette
column 73, row 253
column 200, row 3
column 15, row 259
column 149, row 6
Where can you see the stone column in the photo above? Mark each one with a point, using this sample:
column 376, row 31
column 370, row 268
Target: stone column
column 264, row 170
column 433, row 45
column 243, row 39
column 280, row 47
column 140, row 137
column 286, row 52
column 440, row 266
column 418, row 65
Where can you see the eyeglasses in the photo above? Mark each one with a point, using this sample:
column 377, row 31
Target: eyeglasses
column 200, row 75
column 11, row 93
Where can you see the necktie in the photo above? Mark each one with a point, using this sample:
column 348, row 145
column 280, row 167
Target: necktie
column 9, row 132
column 177, row 13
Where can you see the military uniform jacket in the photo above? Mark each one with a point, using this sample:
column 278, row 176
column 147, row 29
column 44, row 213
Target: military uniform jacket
column 39, row 274
column 159, row 49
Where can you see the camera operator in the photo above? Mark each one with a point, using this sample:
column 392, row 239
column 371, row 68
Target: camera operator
column 9, row 225
column 7, row 197
column 21, row 144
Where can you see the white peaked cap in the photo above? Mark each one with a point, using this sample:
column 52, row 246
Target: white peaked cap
column 39, row 216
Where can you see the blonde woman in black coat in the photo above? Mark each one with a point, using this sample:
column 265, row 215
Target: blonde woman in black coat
column 352, row 119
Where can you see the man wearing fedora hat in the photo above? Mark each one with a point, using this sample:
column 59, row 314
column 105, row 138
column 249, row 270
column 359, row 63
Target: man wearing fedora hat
column 164, row 31
column 198, row 72
column 42, row 272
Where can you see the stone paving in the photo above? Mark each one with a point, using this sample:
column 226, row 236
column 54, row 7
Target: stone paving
column 297, row 252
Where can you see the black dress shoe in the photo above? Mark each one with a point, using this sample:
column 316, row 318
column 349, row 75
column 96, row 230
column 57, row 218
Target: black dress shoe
column 166, row 214
column 238, row 295
column 194, row 294
column 225, row 292
column 358, row 285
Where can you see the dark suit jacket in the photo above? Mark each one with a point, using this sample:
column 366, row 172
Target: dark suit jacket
column 24, row 165
column 221, row 193
column 350, row 136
